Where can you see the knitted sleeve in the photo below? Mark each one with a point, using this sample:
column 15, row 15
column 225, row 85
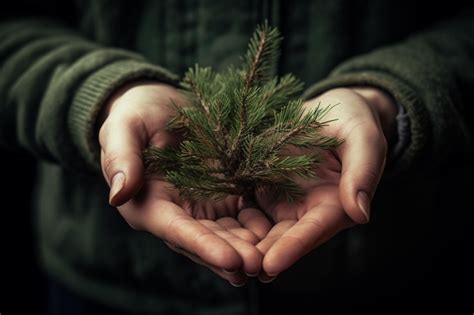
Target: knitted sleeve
column 431, row 75
column 53, row 84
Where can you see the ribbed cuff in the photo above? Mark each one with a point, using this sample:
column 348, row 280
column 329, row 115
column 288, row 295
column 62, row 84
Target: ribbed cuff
column 402, row 93
column 94, row 92
column 403, row 134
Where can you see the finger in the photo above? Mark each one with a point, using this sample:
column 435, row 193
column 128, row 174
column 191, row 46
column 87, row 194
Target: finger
column 233, row 226
column 313, row 229
column 237, row 279
column 275, row 234
column 121, row 159
column 255, row 220
column 251, row 257
column 267, row 242
column 171, row 223
column 363, row 160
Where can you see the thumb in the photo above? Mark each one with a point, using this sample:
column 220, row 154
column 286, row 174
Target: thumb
column 363, row 160
column 121, row 158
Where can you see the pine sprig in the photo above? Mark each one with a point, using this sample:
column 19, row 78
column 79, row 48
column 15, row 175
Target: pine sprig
column 237, row 129
column 262, row 55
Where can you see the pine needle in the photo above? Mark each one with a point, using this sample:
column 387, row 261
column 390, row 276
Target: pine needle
column 237, row 127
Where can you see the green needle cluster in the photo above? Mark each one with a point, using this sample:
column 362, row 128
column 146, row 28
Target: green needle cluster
column 239, row 129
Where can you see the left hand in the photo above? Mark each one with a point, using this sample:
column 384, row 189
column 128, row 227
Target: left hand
column 347, row 181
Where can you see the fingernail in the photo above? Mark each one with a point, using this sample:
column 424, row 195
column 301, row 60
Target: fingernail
column 268, row 280
column 364, row 204
column 229, row 272
column 252, row 274
column 118, row 181
column 237, row 285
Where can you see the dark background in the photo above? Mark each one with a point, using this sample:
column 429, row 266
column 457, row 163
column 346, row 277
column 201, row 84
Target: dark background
column 22, row 287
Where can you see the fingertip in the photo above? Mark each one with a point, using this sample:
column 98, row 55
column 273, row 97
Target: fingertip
column 121, row 159
column 123, row 191
column 363, row 161
column 270, row 266
column 231, row 263
column 229, row 272
column 133, row 173
column 238, row 284
column 356, row 204
column 281, row 256
column 266, row 278
column 253, row 263
column 116, row 186
column 356, row 183
column 118, row 200
column 237, row 279
column 356, row 214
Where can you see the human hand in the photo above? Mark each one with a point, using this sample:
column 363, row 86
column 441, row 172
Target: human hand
column 347, row 181
column 220, row 235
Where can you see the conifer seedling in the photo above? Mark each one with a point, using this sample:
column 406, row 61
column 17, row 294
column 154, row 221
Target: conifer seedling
column 237, row 129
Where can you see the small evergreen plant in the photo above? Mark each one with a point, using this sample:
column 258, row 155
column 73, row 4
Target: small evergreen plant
column 237, row 129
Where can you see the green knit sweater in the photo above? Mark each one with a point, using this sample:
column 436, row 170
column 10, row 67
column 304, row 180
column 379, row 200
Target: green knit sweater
column 60, row 62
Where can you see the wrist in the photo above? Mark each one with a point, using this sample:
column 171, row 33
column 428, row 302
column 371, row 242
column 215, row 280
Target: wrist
column 113, row 100
column 384, row 106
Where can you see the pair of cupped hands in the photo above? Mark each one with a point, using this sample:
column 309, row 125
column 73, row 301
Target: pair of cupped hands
column 230, row 238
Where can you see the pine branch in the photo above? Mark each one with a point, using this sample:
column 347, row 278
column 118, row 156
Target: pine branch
column 237, row 127
column 257, row 60
column 262, row 55
column 198, row 95
column 261, row 61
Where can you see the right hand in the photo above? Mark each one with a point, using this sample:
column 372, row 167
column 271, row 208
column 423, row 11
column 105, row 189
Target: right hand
column 347, row 179
column 218, row 234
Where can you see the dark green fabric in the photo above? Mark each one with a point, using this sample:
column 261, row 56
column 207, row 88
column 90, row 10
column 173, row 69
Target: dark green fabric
column 58, row 69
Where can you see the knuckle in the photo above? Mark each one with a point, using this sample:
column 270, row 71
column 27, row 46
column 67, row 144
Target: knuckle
column 174, row 225
column 372, row 176
column 378, row 139
column 373, row 132
column 110, row 160
column 316, row 223
column 103, row 133
column 375, row 138
column 202, row 238
column 368, row 170
column 359, row 126
column 173, row 229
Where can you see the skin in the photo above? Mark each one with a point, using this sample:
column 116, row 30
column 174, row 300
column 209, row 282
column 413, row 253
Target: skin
column 230, row 239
